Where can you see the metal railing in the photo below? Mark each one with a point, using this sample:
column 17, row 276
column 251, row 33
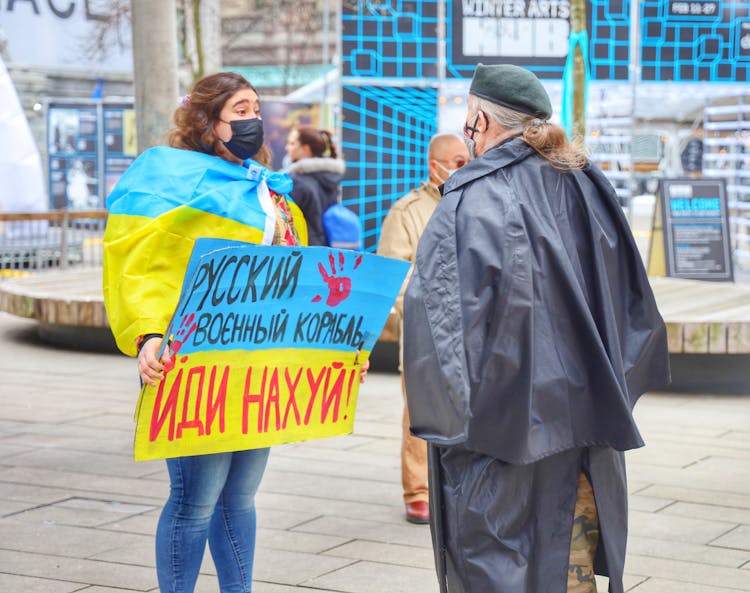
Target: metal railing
column 57, row 239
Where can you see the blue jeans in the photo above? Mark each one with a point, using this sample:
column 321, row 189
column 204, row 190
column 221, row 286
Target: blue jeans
column 212, row 497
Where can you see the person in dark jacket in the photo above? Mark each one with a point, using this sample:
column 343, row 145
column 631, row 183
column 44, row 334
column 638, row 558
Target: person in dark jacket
column 316, row 172
column 530, row 331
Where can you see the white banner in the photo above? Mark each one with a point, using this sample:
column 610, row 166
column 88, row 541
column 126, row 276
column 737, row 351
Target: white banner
column 54, row 34
column 22, row 189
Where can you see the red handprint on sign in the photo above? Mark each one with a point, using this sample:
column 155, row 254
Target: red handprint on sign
column 187, row 327
column 339, row 287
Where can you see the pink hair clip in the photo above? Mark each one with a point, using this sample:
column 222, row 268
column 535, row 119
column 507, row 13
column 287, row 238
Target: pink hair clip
column 186, row 100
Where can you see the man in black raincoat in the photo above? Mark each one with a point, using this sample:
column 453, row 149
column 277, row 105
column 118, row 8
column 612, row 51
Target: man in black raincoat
column 530, row 330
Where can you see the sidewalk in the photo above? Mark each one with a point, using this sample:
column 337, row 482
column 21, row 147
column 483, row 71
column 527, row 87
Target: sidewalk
column 78, row 515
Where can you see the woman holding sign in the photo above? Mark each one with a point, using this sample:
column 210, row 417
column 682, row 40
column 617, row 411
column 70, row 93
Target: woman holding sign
column 204, row 184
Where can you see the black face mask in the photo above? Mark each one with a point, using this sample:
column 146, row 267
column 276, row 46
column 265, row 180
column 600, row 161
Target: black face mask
column 247, row 137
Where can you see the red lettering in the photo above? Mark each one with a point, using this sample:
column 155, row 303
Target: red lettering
column 217, row 405
column 159, row 415
column 253, row 398
column 273, row 399
column 334, row 395
column 292, row 402
column 195, row 422
column 314, row 386
column 352, row 375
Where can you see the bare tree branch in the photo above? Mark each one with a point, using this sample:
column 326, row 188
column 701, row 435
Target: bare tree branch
column 112, row 19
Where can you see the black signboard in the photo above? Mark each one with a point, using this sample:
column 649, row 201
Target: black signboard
column 528, row 33
column 696, row 229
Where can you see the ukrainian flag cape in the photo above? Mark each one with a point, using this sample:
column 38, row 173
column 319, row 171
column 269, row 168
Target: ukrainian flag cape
column 166, row 200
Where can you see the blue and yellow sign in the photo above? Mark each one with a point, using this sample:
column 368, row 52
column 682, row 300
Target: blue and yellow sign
column 266, row 346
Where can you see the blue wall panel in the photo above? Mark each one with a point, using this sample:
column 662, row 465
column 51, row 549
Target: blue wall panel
column 384, row 138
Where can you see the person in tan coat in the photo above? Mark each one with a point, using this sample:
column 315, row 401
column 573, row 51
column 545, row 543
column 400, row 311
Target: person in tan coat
column 399, row 237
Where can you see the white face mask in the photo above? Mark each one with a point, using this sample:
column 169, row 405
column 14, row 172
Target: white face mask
column 447, row 171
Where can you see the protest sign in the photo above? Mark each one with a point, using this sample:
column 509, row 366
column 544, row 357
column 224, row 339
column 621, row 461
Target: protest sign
column 266, row 345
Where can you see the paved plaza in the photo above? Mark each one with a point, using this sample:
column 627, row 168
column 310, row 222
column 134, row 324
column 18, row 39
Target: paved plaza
column 78, row 514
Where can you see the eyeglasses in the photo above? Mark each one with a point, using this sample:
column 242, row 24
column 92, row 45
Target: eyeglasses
column 470, row 130
column 459, row 162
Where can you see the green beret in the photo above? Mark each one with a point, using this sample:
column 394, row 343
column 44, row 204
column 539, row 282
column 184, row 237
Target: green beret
column 512, row 87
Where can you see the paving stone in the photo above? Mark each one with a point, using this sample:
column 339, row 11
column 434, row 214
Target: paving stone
column 676, row 528
column 372, row 577
column 687, row 572
column 264, row 587
column 22, row 584
column 296, row 541
column 78, row 570
column 702, row 495
column 376, row 429
column 416, row 557
column 668, row 454
column 293, row 568
column 349, row 442
column 61, row 540
column 84, row 462
column 321, row 486
column 82, row 512
column 389, row 448
column 706, row 554
column 635, row 486
column 13, row 507
column 342, row 461
column 139, row 552
column 115, row 590
column 667, row 586
column 651, row 504
column 112, row 421
column 12, row 448
column 355, row 467
column 74, row 439
column 143, row 524
column 704, row 479
column 715, row 512
column 81, row 481
column 393, row 512
column 275, row 519
column 738, row 538
column 727, row 444
column 406, row 533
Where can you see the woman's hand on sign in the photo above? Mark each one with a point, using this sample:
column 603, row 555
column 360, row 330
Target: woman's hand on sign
column 150, row 367
column 363, row 368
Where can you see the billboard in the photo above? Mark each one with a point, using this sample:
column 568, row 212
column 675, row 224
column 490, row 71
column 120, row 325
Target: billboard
column 58, row 35
column 90, row 144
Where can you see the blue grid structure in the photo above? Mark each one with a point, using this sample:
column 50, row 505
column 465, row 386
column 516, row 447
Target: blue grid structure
column 390, row 39
column 609, row 49
column 695, row 41
column 385, row 134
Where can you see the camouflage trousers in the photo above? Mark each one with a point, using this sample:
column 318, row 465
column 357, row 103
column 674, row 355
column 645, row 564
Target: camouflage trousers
column 583, row 540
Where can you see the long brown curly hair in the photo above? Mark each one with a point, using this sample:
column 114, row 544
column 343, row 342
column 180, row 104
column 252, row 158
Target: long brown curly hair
column 194, row 119
column 547, row 139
